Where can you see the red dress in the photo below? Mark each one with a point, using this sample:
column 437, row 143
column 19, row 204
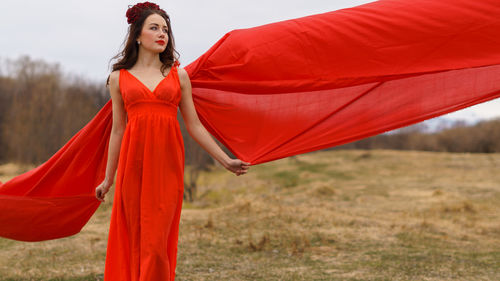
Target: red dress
column 143, row 233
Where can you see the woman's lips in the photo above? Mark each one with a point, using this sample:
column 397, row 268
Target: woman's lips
column 161, row 42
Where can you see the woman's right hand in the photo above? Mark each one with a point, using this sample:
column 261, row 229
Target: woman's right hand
column 101, row 190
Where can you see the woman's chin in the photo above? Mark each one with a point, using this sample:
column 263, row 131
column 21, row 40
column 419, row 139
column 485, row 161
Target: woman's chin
column 160, row 50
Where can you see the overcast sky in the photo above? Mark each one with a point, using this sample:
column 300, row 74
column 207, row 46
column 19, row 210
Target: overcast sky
column 82, row 36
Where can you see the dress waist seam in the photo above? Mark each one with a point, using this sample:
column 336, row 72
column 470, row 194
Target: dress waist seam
column 151, row 107
column 152, row 101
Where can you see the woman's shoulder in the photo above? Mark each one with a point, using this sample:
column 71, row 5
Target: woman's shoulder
column 183, row 76
column 115, row 73
column 180, row 71
column 115, row 76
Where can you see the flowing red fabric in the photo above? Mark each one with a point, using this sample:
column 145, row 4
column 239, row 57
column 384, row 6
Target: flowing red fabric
column 292, row 87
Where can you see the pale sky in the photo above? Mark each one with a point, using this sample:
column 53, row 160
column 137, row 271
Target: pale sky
column 82, row 36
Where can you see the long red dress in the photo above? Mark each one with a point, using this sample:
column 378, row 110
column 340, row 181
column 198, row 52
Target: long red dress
column 143, row 233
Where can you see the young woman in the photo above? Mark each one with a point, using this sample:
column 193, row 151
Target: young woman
column 147, row 152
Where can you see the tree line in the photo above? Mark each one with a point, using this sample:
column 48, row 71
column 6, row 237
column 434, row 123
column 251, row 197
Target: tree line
column 40, row 109
column 482, row 137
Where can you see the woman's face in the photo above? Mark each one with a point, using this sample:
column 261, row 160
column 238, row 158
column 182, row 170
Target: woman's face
column 154, row 31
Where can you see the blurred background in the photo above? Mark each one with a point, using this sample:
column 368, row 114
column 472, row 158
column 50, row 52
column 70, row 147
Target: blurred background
column 418, row 203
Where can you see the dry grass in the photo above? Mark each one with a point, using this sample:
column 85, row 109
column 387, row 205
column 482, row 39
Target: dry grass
column 335, row 215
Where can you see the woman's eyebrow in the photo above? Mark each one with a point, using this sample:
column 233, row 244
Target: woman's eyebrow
column 156, row 24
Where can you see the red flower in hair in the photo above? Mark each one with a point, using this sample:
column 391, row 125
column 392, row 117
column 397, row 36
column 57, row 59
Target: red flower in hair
column 134, row 12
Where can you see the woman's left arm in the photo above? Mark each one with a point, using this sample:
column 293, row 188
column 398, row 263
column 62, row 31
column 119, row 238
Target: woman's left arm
column 199, row 133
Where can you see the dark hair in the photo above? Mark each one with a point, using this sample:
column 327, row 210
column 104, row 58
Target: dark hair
column 128, row 57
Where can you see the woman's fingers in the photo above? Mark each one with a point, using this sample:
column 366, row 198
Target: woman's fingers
column 100, row 194
column 239, row 168
column 241, row 171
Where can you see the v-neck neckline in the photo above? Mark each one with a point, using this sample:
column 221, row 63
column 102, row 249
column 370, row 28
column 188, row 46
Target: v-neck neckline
column 157, row 85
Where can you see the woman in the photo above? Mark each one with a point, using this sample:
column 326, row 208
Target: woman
column 147, row 150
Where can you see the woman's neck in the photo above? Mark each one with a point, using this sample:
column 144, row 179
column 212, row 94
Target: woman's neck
column 147, row 60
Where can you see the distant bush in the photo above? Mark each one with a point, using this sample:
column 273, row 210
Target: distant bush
column 41, row 109
column 483, row 137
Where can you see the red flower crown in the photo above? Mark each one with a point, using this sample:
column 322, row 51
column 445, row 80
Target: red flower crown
column 134, row 12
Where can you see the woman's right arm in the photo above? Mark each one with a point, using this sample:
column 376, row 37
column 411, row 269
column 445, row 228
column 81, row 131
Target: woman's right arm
column 115, row 139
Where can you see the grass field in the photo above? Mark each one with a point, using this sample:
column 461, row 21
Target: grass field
column 329, row 215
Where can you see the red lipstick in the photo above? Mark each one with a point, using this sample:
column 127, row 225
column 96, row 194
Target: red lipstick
column 161, row 42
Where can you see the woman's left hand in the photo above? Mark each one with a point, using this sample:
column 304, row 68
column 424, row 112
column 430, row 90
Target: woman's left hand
column 237, row 166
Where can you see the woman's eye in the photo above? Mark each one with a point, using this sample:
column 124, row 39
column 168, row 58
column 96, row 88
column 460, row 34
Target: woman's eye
column 154, row 28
